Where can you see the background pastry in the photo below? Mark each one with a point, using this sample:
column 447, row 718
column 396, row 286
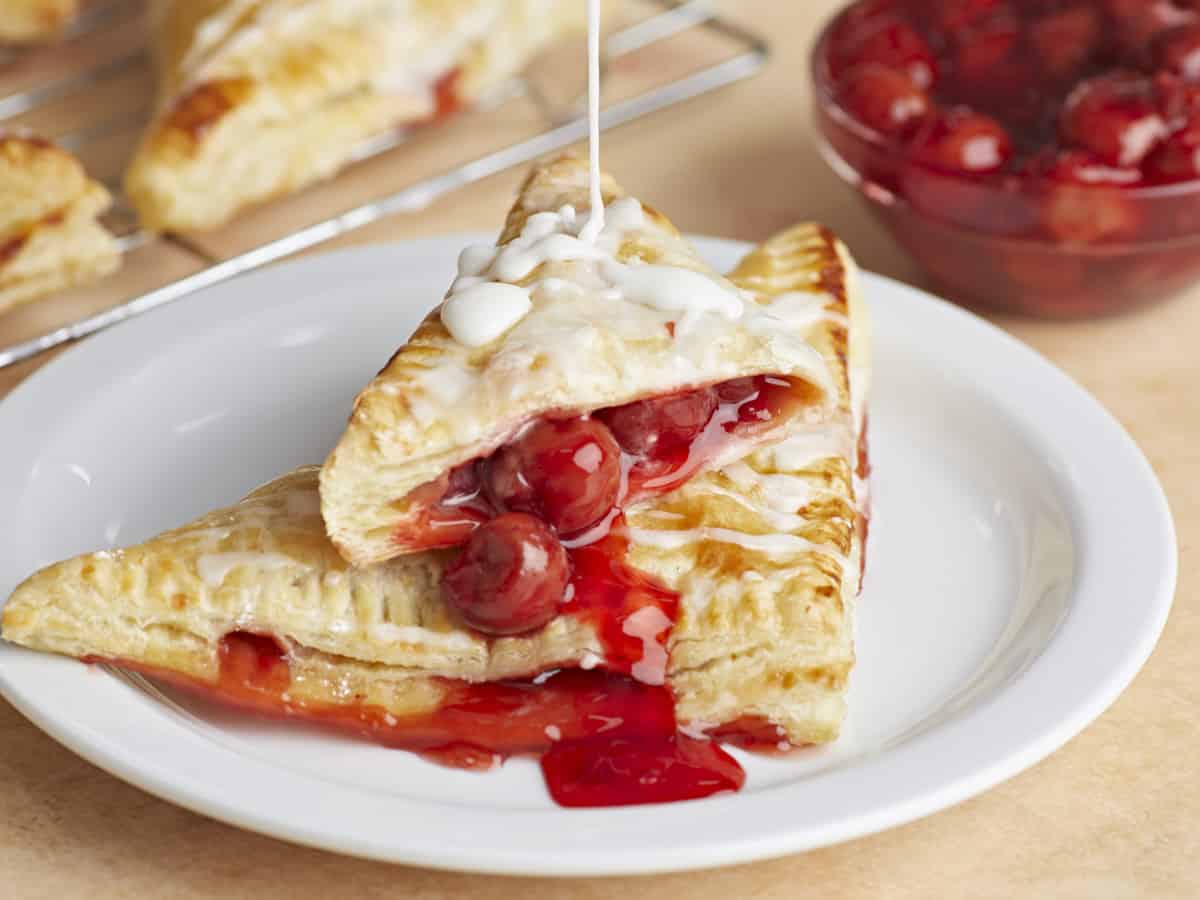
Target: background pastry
column 260, row 97
column 34, row 20
column 50, row 236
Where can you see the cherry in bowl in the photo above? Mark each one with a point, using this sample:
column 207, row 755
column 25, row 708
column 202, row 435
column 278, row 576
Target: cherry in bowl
column 1051, row 165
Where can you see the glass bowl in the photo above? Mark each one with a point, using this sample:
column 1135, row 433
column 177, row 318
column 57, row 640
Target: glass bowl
column 1015, row 243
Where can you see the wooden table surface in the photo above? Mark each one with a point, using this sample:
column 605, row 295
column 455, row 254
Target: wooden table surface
column 1114, row 814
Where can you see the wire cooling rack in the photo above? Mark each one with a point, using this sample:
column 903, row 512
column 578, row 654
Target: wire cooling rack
column 648, row 67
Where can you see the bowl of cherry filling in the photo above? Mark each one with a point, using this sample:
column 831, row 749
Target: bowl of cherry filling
column 1034, row 156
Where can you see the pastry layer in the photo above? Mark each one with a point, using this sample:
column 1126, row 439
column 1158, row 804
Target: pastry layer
column 50, row 236
column 261, row 97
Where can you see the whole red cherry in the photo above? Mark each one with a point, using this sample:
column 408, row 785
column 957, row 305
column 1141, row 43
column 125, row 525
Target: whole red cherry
column 1139, row 22
column 1178, row 51
column 1082, row 167
column 739, row 390
column 857, row 19
column 954, row 17
column 1065, row 40
column 510, row 576
column 889, row 42
column 661, row 424
column 568, row 472
column 1084, row 202
column 884, row 99
column 1178, row 159
column 986, row 49
column 1115, row 116
column 1178, row 100
column 962, row 140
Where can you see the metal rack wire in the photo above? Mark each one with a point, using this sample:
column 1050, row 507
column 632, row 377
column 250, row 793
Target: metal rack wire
column 566, row 124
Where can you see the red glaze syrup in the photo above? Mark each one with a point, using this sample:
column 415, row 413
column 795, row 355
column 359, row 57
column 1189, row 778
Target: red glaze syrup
column 449, row 509
column 604, row 739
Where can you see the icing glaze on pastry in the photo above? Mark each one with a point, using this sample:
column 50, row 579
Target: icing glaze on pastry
column 477, row 314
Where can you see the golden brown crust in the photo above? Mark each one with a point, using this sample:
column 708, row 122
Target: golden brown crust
column 23, row 21
column 766, row 552
column 261, row 97
column 50, row 237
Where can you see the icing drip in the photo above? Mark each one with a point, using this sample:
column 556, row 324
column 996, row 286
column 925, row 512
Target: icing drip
column 481, row 312
column 596, row 223
column 214, row 567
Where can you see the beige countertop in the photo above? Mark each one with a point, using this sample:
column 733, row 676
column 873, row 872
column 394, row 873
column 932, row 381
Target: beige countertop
column 1114, row 814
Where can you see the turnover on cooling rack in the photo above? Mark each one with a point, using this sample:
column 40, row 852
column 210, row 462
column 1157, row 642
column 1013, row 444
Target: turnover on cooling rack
column 257, row 99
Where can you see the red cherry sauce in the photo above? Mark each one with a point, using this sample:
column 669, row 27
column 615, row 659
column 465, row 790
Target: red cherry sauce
column 446, row 511
column 446, row 98
column 605, row 739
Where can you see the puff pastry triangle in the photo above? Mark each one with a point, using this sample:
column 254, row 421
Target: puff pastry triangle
column 635, row 315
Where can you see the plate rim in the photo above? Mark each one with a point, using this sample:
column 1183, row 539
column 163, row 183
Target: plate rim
column 709, row 851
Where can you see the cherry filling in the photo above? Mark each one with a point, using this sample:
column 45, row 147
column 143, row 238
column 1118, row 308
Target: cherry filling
column 510, row 577
column 446, row 98
column 562, row 483
column 604, row 739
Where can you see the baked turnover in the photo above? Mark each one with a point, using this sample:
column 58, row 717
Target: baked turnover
column 605, row 505
column 260, row 97
column 27, row 21
column 50, row 236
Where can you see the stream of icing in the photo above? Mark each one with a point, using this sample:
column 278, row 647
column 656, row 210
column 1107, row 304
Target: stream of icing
column 595, row 223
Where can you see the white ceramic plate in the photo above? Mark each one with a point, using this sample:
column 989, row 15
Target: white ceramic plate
column 1021, row 565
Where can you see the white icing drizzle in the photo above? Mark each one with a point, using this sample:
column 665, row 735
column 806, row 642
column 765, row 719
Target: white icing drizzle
column 801, row 311
column 672, row 289
column 770, row 544
column 596, row 223
column 779, row 508
column 387, row 633
column 214, row 567
column 803, row 449
column 479, row 313
column 646, row 625
column 485, row 302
